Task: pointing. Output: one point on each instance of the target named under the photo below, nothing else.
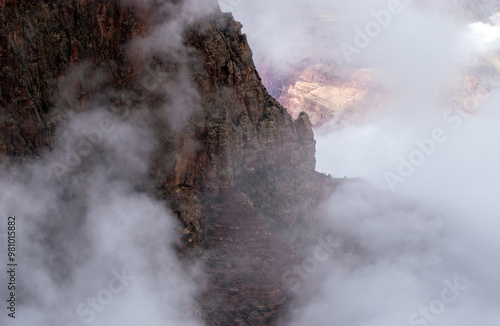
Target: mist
(93, 245)
(417, 238)
(414, 239)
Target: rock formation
(324, 93)
(239, 172)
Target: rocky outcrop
(239, 173)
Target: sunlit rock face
(326, 94)
(328, 98)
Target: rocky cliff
(237, 170)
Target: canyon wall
(236, 169)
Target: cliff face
(238, 170)
(39, 43)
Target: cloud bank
(417, 243)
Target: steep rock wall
(239, 173)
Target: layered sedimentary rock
(238, 171)
(328, 96)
